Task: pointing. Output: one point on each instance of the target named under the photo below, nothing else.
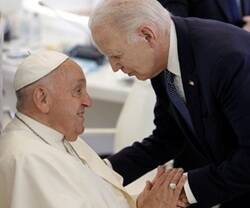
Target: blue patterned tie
(177, 100)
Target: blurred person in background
(236, 12)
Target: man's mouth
(81, 114)
(124, 71)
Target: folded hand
(158, 193)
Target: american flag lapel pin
(191, 82)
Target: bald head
(128, 15)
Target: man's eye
(115, 57)
(77, 92)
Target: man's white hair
(128, 15)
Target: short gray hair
(128, 15)
(21, 95)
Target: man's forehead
(69, 69)
(109, 49)
(70, 65)
(105, 31)
(108, 40)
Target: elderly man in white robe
(44, 164)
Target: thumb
(148, 186)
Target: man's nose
(87, 101)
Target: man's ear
(41, 99)
(149, 33)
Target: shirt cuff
(190, 197)
(108, 163)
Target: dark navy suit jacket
(208, 9)
(215, 68)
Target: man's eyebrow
(79, 82)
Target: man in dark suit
(236, 12)
(200, 71)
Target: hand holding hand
(158, 193)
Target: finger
(164, 185)
(179, 193)
(161, 179)
(169, 176)
(160, 171)
(168, 194)
(182, 204)
(147, 187)
(176, 178)
(180, 185)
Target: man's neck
(164, 51)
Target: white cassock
(36, 174)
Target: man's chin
(74, 136)
(71, 138)
(142, 78)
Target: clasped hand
(165, 191)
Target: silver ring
(172, 186)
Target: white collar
(173, 58)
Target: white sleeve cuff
(189, 193)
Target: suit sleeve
(221, 182)
(164, 143)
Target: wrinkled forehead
(103, 32)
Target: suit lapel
(190, 82)
(100, 168)
(223, 5)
